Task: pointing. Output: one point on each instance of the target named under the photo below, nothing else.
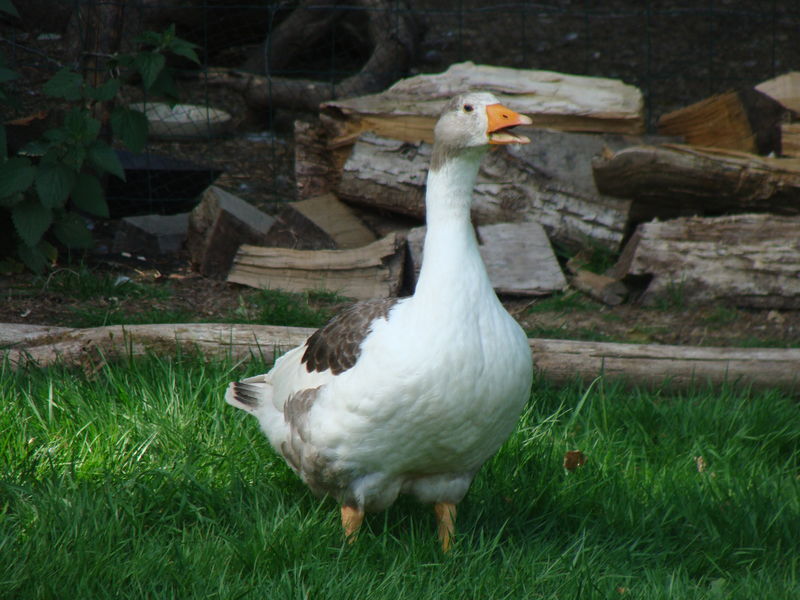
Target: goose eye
(468, 108)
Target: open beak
(501, 119)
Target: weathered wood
(600, 287)
(562, 361)
(790, 140)
(743, 260)
(513, 185)
(784, 89)
(408, 110)
(47, 345)
(703, 180)
(218, 225)
(373, 271)
(668, 367)
(518, 258)
(320, 223)
(316, 167)
(747, 120)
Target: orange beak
(501, 119)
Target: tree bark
(703, 181)
(561, 361)
(393, 35)
(513, 185)
(743, 260)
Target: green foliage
(54, 178)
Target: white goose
(408, 395)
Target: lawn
(138, 481)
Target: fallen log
(743, 260)
(702, 181)
(408, 110)
(391, 32)
(372, 271)
(519, 185)
(673, 367)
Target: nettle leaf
(53, 183)
(87, 194)
(130, 126)
(164, 85)
(7, 75)
(13, 199)
(71, 231)
(65, 84)
(7, 7)
(149, 65)
(103, 158)
(74, 156)
(3, 143)
(104, 92)
(184, 48)
(81, 126)
(37, 257)
(16, 175)
(31, 220)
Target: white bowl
(183, 121)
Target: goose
(408, 395)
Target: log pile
(708, 205)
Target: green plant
(276, 307)
(51, 180)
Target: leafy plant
(46, 186)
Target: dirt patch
(173, 293)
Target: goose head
(474, 121)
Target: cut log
(747, 120)
(790, 140)
(316, 167)
(513, 185)
(518, 258)
(218, 225)
(742, 260)
(784, 89)
(373, 271)
(408, 110)
(151, 234)
(600, 287)
(561, 361)
(703, 181)
(321, 223)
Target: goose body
(408, 395)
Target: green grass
(564, 302)
(140, 482)
(83, 283)
(276, 307)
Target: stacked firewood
(711, 204)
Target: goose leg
(446, 521)
(351, 522)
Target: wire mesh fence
(676, 52)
